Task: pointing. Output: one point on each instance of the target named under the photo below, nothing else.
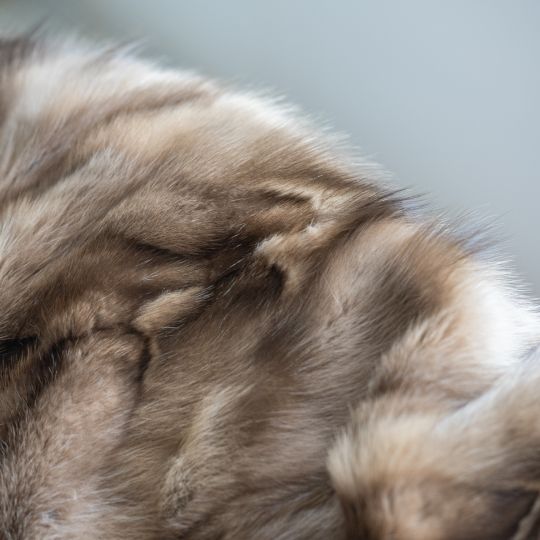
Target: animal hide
(216, 324)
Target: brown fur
(215, 325)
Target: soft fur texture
(215, 325)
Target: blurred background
(446, 95)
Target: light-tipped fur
(214, 324)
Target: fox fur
(216, 324)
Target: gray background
(445, 94)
